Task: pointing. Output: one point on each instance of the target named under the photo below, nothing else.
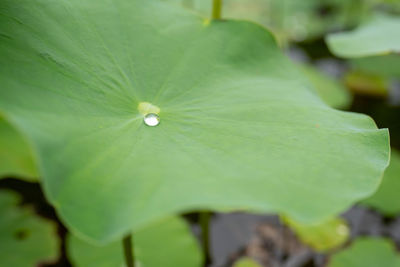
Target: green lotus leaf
(330, 90)
(386, 66)
(367, 252)
(387, 199)
(26, 240)
(362, 83)
(379, 36)
(168, 243)
(16, 157)
(373, 76)
(239, 127)
(324, 236)
(246, 262)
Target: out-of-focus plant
(379, 36)
(367, 252)
(323, 237)
(246, 262)
(26, 240)
(387, 199)
(167, 243)
(293, 20)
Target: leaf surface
(240, 127)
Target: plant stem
(217, 8)
(128, 251)
(205, 235)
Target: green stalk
(205, 234)
(128, 251)
(217, 9)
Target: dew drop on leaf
(151, 119)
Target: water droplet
(151, 119)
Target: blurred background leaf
(377, 76)
(387, 66)
(26, 240)
(168, 243)
(367, 252)
(246, 262)
(367, 84)
(380, 35)
(322, 237)
(294, 20)
(386, 199)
